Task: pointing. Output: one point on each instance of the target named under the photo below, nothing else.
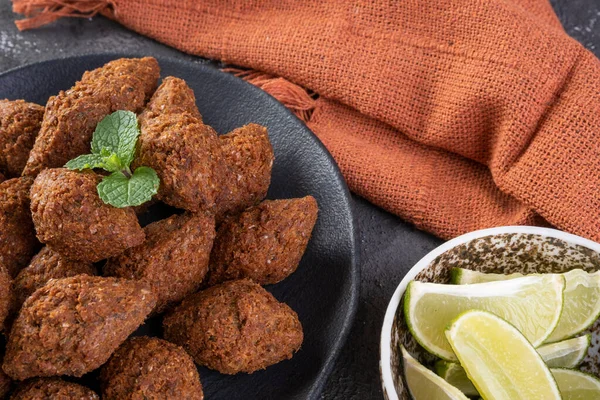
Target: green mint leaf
(117, 134)
(86, 161)
(113, 149)
(112, 163)
(120, 191)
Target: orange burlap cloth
(453, 114)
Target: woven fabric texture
(454, 114)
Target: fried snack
(183, 151)
(173, 97)
(249, 157)
(5, 383)
(264, 243)
(234, 327)
(71, 326)
(52, 388)
(71, 117)
(173, 260)
(17, 235)
(71, 219)
(19, 125)
(150, 368)
(46, 265)
(6, 298)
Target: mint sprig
(113, 150)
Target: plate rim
(212, 67)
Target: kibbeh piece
(264, 243)
(20, 123)
(173, 260)
(249, 157)
(173, 97)
(234, 327)
(71, 116)
(17, 234)
(71, 326)
(71, 219)
(5, 384)
(46, 265)
(183, 151)
(52, 388)
(6, 298)
(150, 368)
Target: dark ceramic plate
(324, 289)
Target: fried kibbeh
(5, 384)
(173, 97)
(7, 297)
(71, 326)
(173, 260)
(234, 327)
(17, 234)
(264, 243)
(46, 265)
(20, 123)
(150, 368)
(184, 152)
(71, 117)
(206, 248)
(248, 155)
(71, 219)
(52, 388)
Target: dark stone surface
(389, 246)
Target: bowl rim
(386, 331)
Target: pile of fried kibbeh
(78, 276)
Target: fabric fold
(412, 180)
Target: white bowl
(505, 249)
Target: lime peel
(581, 299)
(455, 375)
(566, 354)
(429, 308)
(423, 384)
(499, 360)
(576, 385)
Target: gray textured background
(389, 246)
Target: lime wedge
(463, 276)
(423, 384)
(581, 298)
(533, 304)
(581, 304)
(455, 375)
(575, 385)
(499, 360)
(566, 354)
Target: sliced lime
(423, 384)
(455, 375)
(499, 360)
(566, 354)
(429, 307)
(581, 304)
(463, 276)
(575, 385)
(581, 299)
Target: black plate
(324, 289)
